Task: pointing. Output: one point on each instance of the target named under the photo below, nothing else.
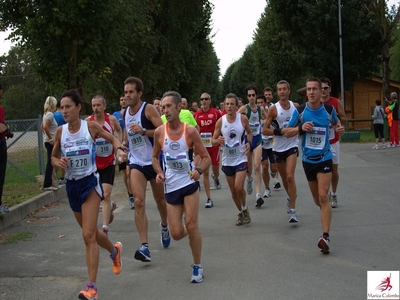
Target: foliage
(95, 45)
(9, 238)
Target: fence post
(40, 145)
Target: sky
(233, 25)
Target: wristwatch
(199, 171)
(144, 131)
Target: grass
(17, 187)
(9, 238)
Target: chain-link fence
(26, 155)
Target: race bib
(267, 141)
(231, 151)
(316, 138)
(178, 163)
(206, 139)
(255, 128)
(103, 148)
(136, 140)
(78, 158)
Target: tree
(387, 22)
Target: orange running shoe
(117, 261)
(90, 293)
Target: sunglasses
(201, 99)
(251, 95)
(325, 87)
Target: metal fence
(26, 153)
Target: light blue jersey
(315, 144)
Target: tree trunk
(386, 68)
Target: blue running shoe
(131, 202)
(143, 254)
(165, 236)
(197, 274)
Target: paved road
(268, 259)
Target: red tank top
(104, 150)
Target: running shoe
(249, 185)
(288, 205)
(90, 293)
(334, 201)
(217, 184)
(50, 188)
(240, 219)
(117, 260)
(165, 236)
(62, 181)
(376, 147)
(277, 185)
(4, 209)
(267, 193)
(143, 254)
(246, 216)
(209, 203)
(197, 274)
(323, 244)
(259, 201)
(113, 207)
(272, 174)
(293, 216)
(131, 202)
(383, 146)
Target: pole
(341, 56)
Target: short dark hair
(268, 89)
(378, 102)
(251, 87)
(314, 79)
(136, 81)
(232, 95)
(261, 97)
(74, 95)
(326, 79)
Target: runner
(230, 131)
(141, 120)
(285, 149)
(313, 120)
(74, 151)
(206, 118)
(180, 176)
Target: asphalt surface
(268, 259)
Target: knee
(177, 233)
(139, 203)
(191, 227)
(290, 179)
(89, 237)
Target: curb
(19, 212)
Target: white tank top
(233, 153)
(140, 147)
(282, 143)
(267, 140)
(80, 148)
(178, 160)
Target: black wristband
(301, 131)
(120, 147)
(199, 171)
(277, 131)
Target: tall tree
(388, 21)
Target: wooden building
(359, 102)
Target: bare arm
(243, 110)
(272, 113)
(117, 127)
(217, 138)
(201, 151)
(156, 155)
(246, 125)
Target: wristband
(199, 171)
(277, 131)
(301, 131)
(120, 147)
